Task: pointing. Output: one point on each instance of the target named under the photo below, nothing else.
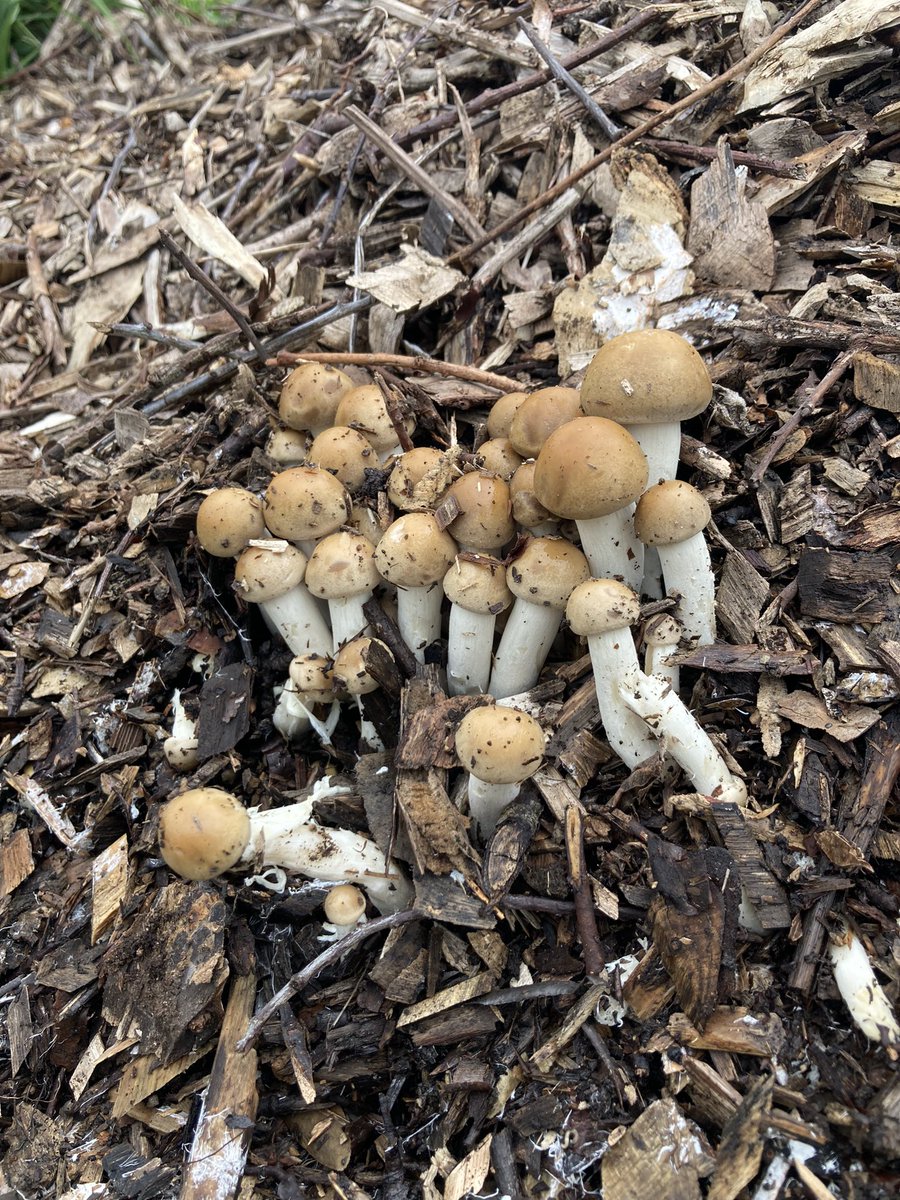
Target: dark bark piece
(425, 740)
(505, 854)
(764, 891)
(224, 709)
(438, 897)
(400, 969)
(875, 528)
(135, 1177)
(813, 793)
(883, 1134)
(465, 1022)
(741, 1146)
(753, 660)
(841, 586)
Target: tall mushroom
(272, 577)
(500, 748)
(477, 590)
(342, 571)
(414, 553)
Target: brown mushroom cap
(351, 673)
(262, 574)
(499, 745)
(543, 411)
(287, 447)
(670, 512)
(478, 585)
(546, 572)
(203, 832)
(485, 517)
(425, 466)
(414, 551)
(310, 395)
(527, 510)
(648, 377)
(345, 452)
(344, 905)
(312, 678)
(364, 409)
(227, 520)
(342, 565)
(498, 456)
(304, 503)
(601, 605)
(589, 467)
(501, 414)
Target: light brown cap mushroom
(419, 479)
(262, 574)
(414, 551)
(546, 572)
(310, 395)
(478, 585)
(351, 672)
(527, 510)
(344, 905)
(499, 745)
(601, 605)
(502, 412)
(287, 447)
(365, 521)
(312, 678)
(498, 456)
(228, 519)
(588, 468)
(304, 503)
(485, 517)
(342, 565)
(203, 832)
(670, 512)
(364, 409)
(647, 377)
(345, 452)
(543, 411)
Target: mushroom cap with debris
(499, 745)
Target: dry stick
(640, 131)
(53, 337)
(838, 367)
(403, 362)
(325, 959)
(581, 889)
(669, 148)
(214, 290)
(558, 71)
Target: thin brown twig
(585, 919)
(669, 148)
(55, 344)
(640, 131)
(403, 362)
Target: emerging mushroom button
(203, 832)
(500, 748)
(310, 396)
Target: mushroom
(502, 412)
(662, 636)
(180, 747)
(671, 517)
(206, 831)
(419, 479)
(498, 457)
(345, 910)
(305, 503)
(539, 415)
(484, 523)
(345, 452)
(859, 987)
(649, 381)
(351, 675)
(287, 447)
(603, 611)
(541, 579)
(229, 519)
(364, 409)
(272, 577)
(414, 553)
(342, 571)
(310, 682)
(591, 470)
(527, 510)
(477, 590)
(310, 396)
(500, 748)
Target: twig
(147, 333)
(110, 182)
(53, 337)
(669, 148)
(533, 233)
(403, 362)
(214, 290)
(581, 890)
(635, 135)
(558, 71)
(809, 401)
(333, 954)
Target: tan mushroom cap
(304, 503)
(498, 456)
(203, 832)
(365, 521)
(345, 452)
(310, 395)
(588, 468)
(351, 673)
(485, 518)
(342, 565)
(527, 510)
(364, 409)
(414, 551)
(543, 411)
(670, 512)
(502, 412)
(546, 572)
(344, 905)
(262, 574)
(478, 585)
(287, 447)
(499, 745)
(312, 678)
(601, 605)
(228, 519)
(651, 376)
(418, 480)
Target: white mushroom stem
(293, 718)
(687, 570)
(282, 837)
(180, 748)
(860, 990)
(469, 647)
(419, 616)
(296, 618)
(367, 731)
(523, 649)
(348, 620)
(487, 802)
(660, 647)
(613, 548)
(613, 657)
(683, 738)
(661, 444)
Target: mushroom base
(613, 657)
(487, 802)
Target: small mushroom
(414, 553)
(345, 910)
(310, 682)
(364, 409)
(498, 457)
(310, 396)
(180, 747)
(485, 519)
(342, 571)
(272, 577)
(305, 503)
(539, 415)
(527, 510)
(287, 447)
(662, 636)
(419, 479)
(502, 412)
(228, 520)
(477, 591)
(345, 452)
(351, 675)
(500, 748)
